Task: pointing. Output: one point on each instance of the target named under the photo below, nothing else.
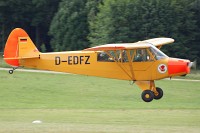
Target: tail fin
(19, 46)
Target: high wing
(158, 42)
(119, 46)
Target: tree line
(62, 25)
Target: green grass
(76, 104)
(194, 74)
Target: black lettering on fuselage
(87, 60)
(81, 59)
(73, 60)
(57, 60)
(69, 60)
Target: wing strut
(119, 63)
(130, 64)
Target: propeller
(193, 64)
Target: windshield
(157, 53)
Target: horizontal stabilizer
(20, 58)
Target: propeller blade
(193, 64)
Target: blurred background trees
(32, 15)
(62, 25)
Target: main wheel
(147, 95)
(160, 93)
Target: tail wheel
(10, 71)
(160, 93)
(147, 95)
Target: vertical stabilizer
(19, 46)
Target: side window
(136, 55)
(141, 55)
(102, 56)
(112, 56)
(106, 56)
(123, 56)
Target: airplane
(141, 62)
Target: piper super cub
(141, 62)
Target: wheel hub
(147, 96)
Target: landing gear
(11, 71)
(160, 93)
(150, 91)
(147, 95)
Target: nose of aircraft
(178, 67)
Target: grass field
(68, 103)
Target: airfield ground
(68, 103)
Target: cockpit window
(141, 55)
(133, 55)
(102, 56)
(157, 53)
(112, 56)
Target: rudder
(19, 46)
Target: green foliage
(195, 46)
(75, 24)
(12, 16)
(43, 48)
(69, 27)
(130, 21)
(32, 15)
(111, 23)
(42, 15)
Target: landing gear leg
(150, 92)
(11, 71)
(160, 93)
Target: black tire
(147, 95)
(160, 93)
(10, 71)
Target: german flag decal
(23, 40)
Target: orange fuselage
(85, 62)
